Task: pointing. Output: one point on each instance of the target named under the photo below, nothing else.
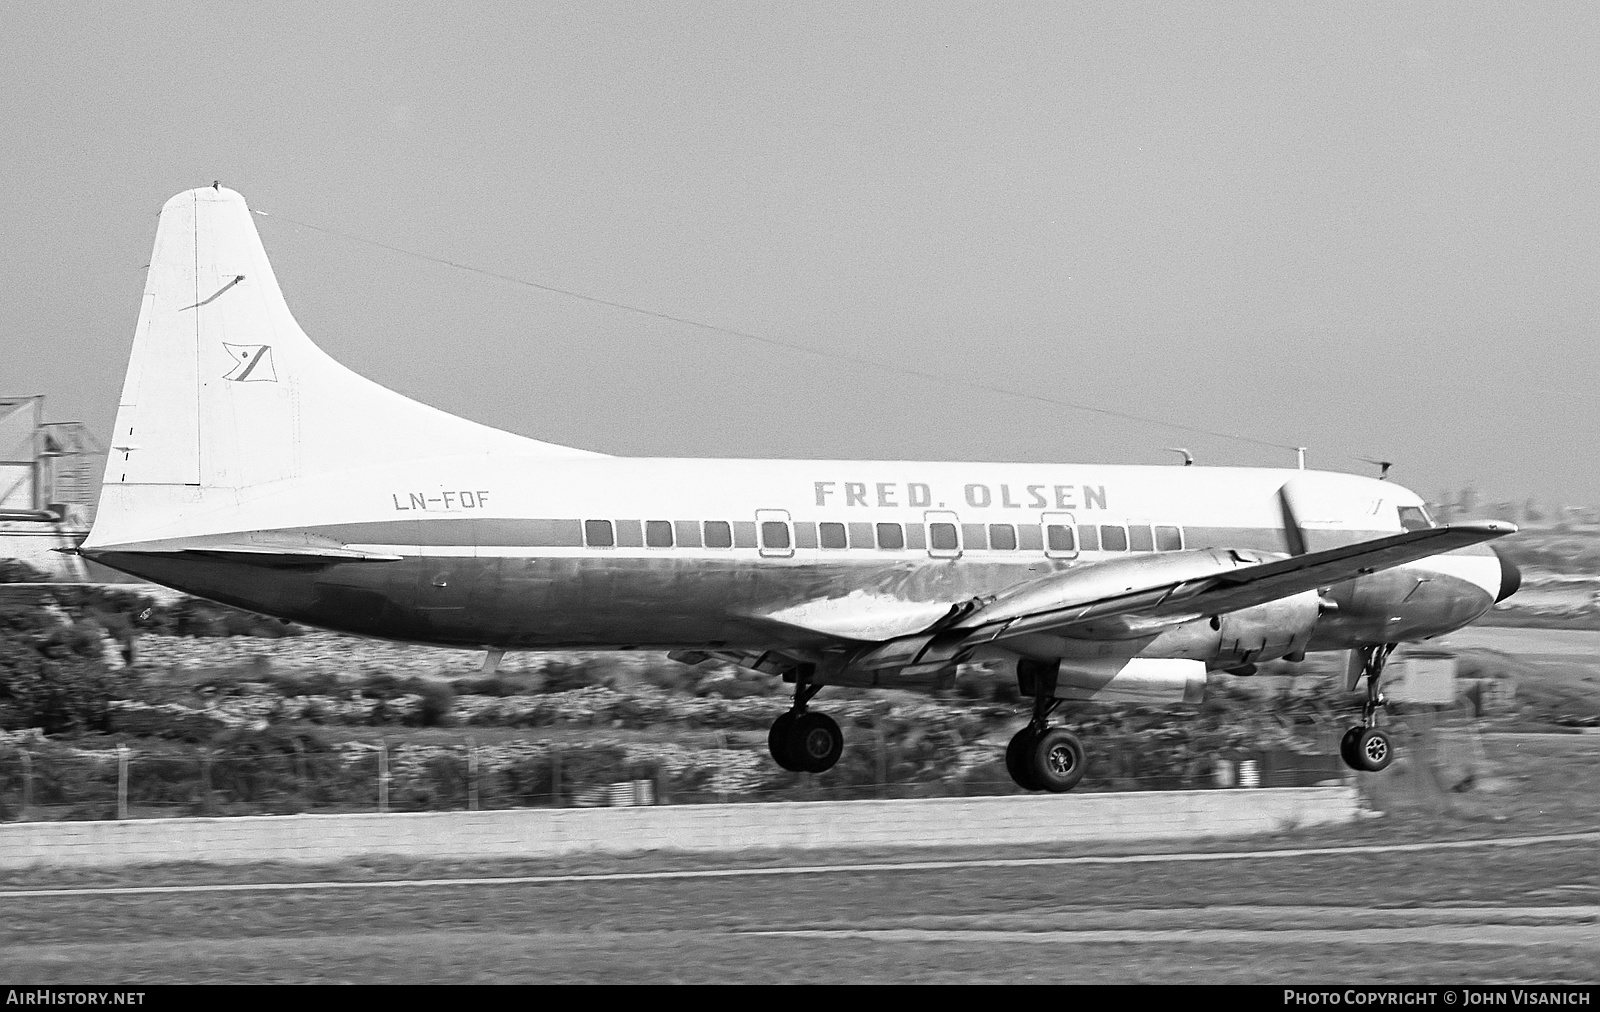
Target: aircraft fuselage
(610, 553)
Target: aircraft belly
(690, 602)
(565, 601)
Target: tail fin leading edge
(224, 391)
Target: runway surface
(1526, 642)
(1514, 909)
(820, 869)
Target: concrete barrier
(546, 832)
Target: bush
(51, 674)
(275, 766)
(563, 675)
(17, 571)
(734, 683)
(318, 683)
(438, 700)
(381, 685)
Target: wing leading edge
(1208, 582)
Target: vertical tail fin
(224, 391)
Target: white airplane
(250, 468)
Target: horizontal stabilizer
(306, 554)
(266, 548)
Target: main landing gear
(805, 742)
(1041, 757)
(1365, 747)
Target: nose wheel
(1366, 747)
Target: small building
(1428, 675)
(49, 484)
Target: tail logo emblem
(252, 363)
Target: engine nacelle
(1248, 636)
(1153, 680)
(1268, 631)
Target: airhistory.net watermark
(46, 996)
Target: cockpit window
(1414, 518)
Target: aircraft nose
(1510, 576)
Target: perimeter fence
(46, 783)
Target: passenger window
(1058, 538)
(1139, 538)
(1089, 537)
(1169, 539)
(1113, 538)
(1002, 537)
(832, 535)
(942, 537)
(775, 534)
(891, 536)
(718, 534)
(658, 533)
(597, 534)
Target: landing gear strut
(801, 741)
(1041, 757)
(1365, 747)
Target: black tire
(1347, 748)
(1017, 758)
(778, 741)
(814, 743)
(1056, 761)
(1373, 750)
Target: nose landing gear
(805, 742)
(1365, 747)
(1041, 757)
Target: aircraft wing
(1194, 584)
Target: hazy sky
(1370, 229)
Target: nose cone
(1510, 577)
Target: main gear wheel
(814, 742)
(1045, 759)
